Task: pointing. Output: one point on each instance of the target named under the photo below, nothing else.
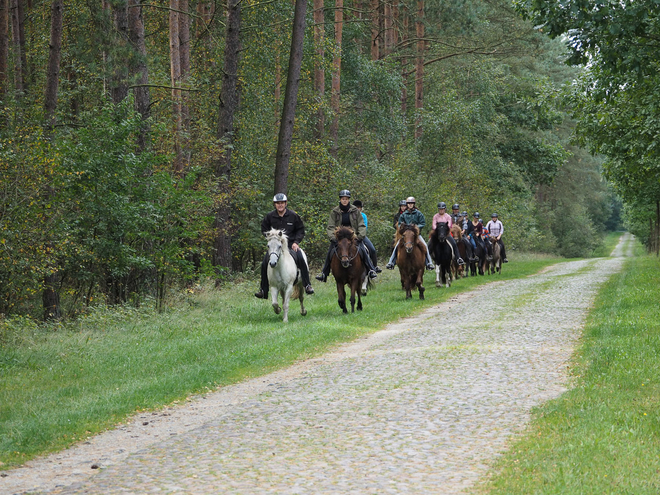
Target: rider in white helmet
(281, 218)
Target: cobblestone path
(421, 407)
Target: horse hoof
(304, 312)
(277, 309)
(438, 284)
(364, 292)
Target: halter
(347, 262)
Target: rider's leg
(263, 286)
(454, 247)
(364, 254)
(429, 262)
(323, 276)
(503, 252)
(304, 270)
(392, 261)
(372, 253)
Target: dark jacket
(415, 217)
(357, 222)
(290, 223)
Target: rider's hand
(294, 246)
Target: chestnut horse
(459, 271)
(442, 255)
(411, 259)
(347, 268)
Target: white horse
(283, 274)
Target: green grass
(61, 384)
(602, 436)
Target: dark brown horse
(411, 260)
(347, 268)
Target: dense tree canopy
(123, 188)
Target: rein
(357, 252)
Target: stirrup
(261, 294)
(372, 274)
(309, 289)
(377, 269)
(322, 277)
(460, 261)
(430, 266)
(390, 266)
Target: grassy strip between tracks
(61, 384)
(603, 436)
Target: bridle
(346, 260)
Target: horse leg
(365, 285)
(273, 297)
(301, 296)
(341, 292)
(438, 269)
(353, 298)
(420, 282)
(286, 298)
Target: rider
(368, 244)
(496, 229)
(411, 216)
(281, 218)
(455, 214)
(346, 215)
(402, 208)
(442, 216)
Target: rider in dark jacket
(281, 218)
(346, 215)
(411, 216)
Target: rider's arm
(265, 225)
(330, 230)
(298, 230)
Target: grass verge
(61, 384)
(603, 436)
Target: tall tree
(184, 52)
(4, 48)
(228, 108)
(290, 98)
(50, 296)
(375, 29)
(119, 89)
(139, 70)
(175, 77)
(18, 38)
(419, 67)
(319, 72)
(335, 95)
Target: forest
(141, 144)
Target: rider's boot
(309, 289)
(261, 294)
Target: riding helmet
(476, 214)
(279, 197)
(455, 206)
(402, 202)
(344, 193)
(494, 215)
(442, 204)
(410, 199)
(464, 213)
(357, 203)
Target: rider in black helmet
(346, 215)
(289, 221)
(367, 243)
(402, 208)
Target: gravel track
(423, 406)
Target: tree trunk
(50, 295)
(18, 40)
(184, 49)
(4, 49)
(290, 99)
(319, 72)
(141, 91)
(419, 68)
(175, 76)
(119, 90)
(53, 69)
(375, 29)
(404, 64)
(388, 28)
(228, 107)
(335, 95)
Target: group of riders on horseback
(474, 235)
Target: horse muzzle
(273, 260)
(345, 263)
(409, 248)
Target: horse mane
(457, 230)
(278, 234)
(405, 227)
(342, 232)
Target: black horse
(442, 255)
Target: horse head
(456, 232)
(409, 235)
(345, 241)
(278, 243)
(442, 231)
